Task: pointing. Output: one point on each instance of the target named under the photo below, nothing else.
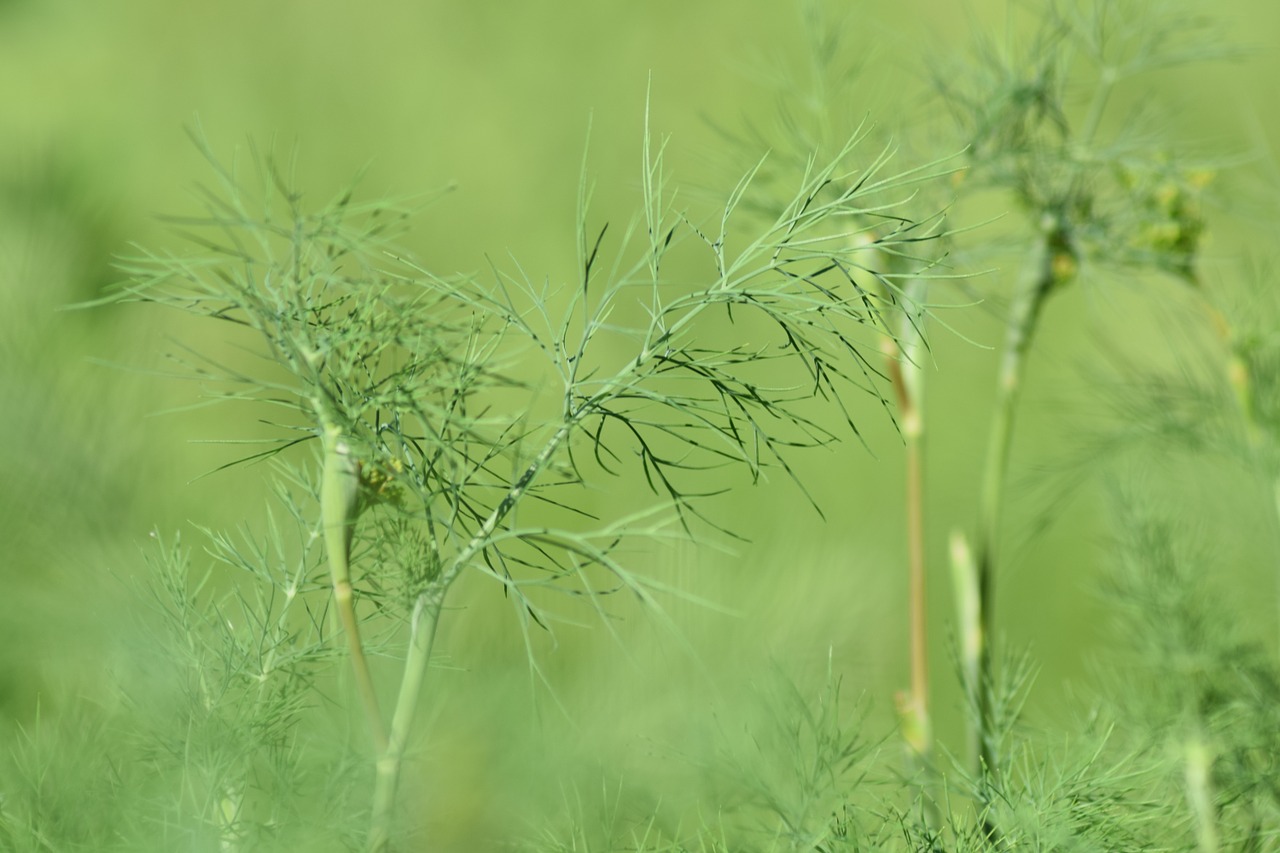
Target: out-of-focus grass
(494, 98)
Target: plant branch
(339, 507)
(423, 625)
(1042, 273)
(903, 355)
(422, 628)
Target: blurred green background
(98, 447)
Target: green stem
(915, 714)
(903, 358)
(339, 508)
(913, 431)
(425, 620)
(964, 579)
(1199, 763)
(1031, 291)
(910, 377)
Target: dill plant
(1045, 119)
(1097, 193)
(437, 457)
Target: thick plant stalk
(1199, 762)
(339, 507)
(1050, 262)
(914, 708)
(906, 373)
(964, 580)
(904, 352)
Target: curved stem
(339, 507)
